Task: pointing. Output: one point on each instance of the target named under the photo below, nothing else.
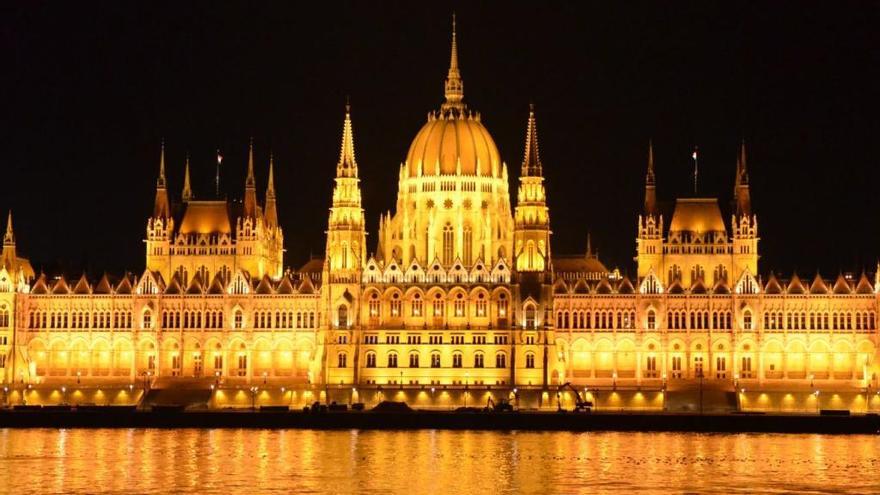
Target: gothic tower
(649, 244)
(346, 237)
(532, 218)
(161, 224)
(744, 223)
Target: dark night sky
(89, 90)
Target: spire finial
(187, 189)
(589, 245)
(532, 158)
(454, 85)
(270, 188)
(9, 237)
(347, 166)
(650, 183)
(160, 182)
(743, 172)
(250, 181)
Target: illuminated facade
(463, 291)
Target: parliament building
(464, 294)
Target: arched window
(530, 360)
(414, 360)
(341, 360)
(530, 317)
(500, 360)
(238, 319)
(342, 316)
(456, 360)
(435, 359)
(448, 244)
(468, 239)
(392, 360)
(652, 319)
(747, 319)
(479, 360)
(371, 360)
(148, 319)
(4, 317)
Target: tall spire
(741, 186)
(532, 158)
(161, 208)
(187, 194)
(589, 245)
(250, 181)
(270, 188)
(160, 182)
(650, 183)
(9, 237)
(271, 213)
(347, 166)
(250, 185)
(454, 86)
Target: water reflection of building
(463, 290)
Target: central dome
(453, 143)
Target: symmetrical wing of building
(463, 290)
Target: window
(435, 360)
(502, 306)
(456, 360)
(479, 339)
(148, 323)
(500, 360)
(371, 339)
(438, 307)
(371, 360)
(457, 339)
(530, 360)
(414, 339)
(417, 305)
(392, 339)
(448, 244)
(481, 306)
(197, 364)
(652, 319)
(478, 360)
(530, 317)
(501, 339)
(651, 367)
(341, 360)
(720, 367)
(375, 307)
(460, 306)
(242, 364)
(4, 317)
(676, 367)
(746, 369)
(395, 306)
(413, 360)
(238, 319)
(342, 316)
(747, 320)
(392, 360)
(435, 339)
(468, 238)
(218, 361)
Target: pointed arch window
(448, 244)
(468, 239)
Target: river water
(437, 462)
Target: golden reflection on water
(228, 461)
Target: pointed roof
(864, 285)
(741, 186)
(103, 286)
(841, 286)
(60, 286)
(41, 286)
(795, 286)
(532, 158)
(626, 286)
(82, 286)
(773, 286)
(124, 286)
(187, 193)
(454, 87)
(195, 284)
(306, 286)
(285, 287)
(698, 287)
(250, 181)
(217, 284)
(250, 186)
(9, 236)
(347, 165)
(818, 286)
(265, 286)
(174, 286)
